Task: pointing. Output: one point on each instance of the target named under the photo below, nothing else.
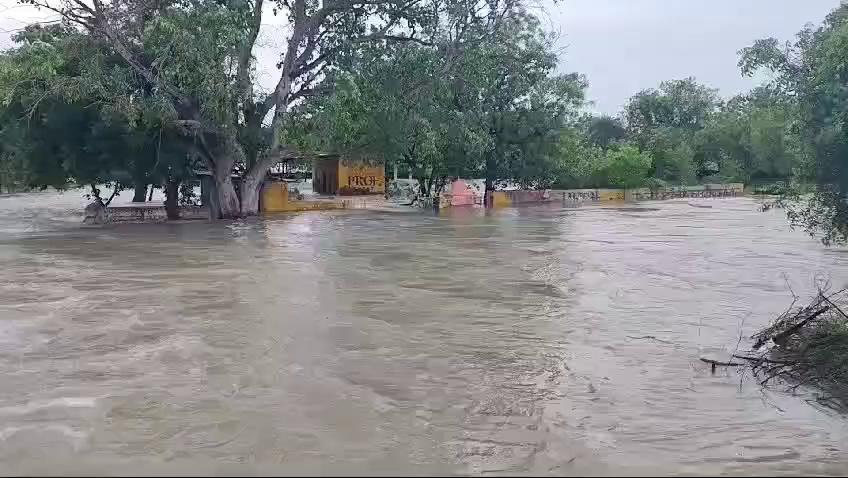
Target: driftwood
(648, 337)
(791, 322)
(806, 347)
(762, 359)
(781, 338)
(717, 363)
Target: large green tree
(677, 104)
(494, 111)
(511, 95)
(749, 139)
(194, 63)
(812, 73)
(664, 122)
(71, 138)
(605, 131)
(394, 106)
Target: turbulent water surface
(533, 340)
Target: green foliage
(577, 162)
(751, 135)
(665, 123)
(812, 74)
(495, 111)
(62, 123)
(605, 131)
(510, 94)
(677, 104)
(627, 167)
(673, 153)
(194, 50)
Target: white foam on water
(67, 402)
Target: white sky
(622, 46)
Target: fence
(498, 199)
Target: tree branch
(293, 65)
(401, 38)
(245, 54)
(66, 13)
(114, 193)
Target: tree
(627, 167)
(64, 139)
(391, 106)
(665, 121)
(672, 152)
(194, 61)
(682, 104)
(509, 93)
(812, 74)
(750, 136)
(578, 162)
(604, 131)
(436, 115)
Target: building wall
(510, 198)
(703, 191)
(275, 197)
(150, 213)
(325, 176)
(358, 177)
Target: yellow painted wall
(508, 198)
(611, 194)
(298, 206)
(501, 199)
(275, 197)
(358, 175)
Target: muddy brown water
(533, 340)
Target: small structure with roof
(346, 176)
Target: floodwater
(533, 340)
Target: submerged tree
(749, 139)
(59, 132)
(193, 61)
(496, 110)
(511, 96)
(812, 73)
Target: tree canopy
(130, 93)
(811, 75)
(189, 65)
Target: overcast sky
(622, 46)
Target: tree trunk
(140, 193)
(228, 206)
(490, 174)
(250, 196)
(441, 182)
(150, 196)
(223, 198)
(172, 188)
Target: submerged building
(344, 176)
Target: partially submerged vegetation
(806, 346)
(135, 94)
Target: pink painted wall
(459, 193)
